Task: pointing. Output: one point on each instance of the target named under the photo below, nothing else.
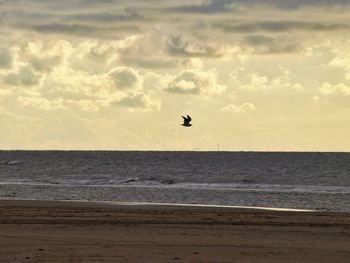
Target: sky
(254, 75)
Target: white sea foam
(217, 206)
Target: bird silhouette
(187, 121)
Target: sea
(293, 180)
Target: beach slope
(61, 231)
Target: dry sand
(43, 231)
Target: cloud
(278, 26)
(155, 82)
(253, 82)
(49, 77)
(176, 46)
(196, 82)
(139, 100)
(342, 58)
(33, 59)
(338, 89)
(243, 108)
(44, 56)
(96, 56)
(5, 92)
(41, 103)
(125, 78)
(17, 16)
(262, 44)
(129, 15)
(81, 91)
(5, 58)
(191, 6)
(151, 63)
(25, 76)
(293, 4)
(207, 7)
(257, 40)
(83, 30)
(62, 5)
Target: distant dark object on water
(130, 180)
(187, 121)
(247, 180)
(167, 182)
(11, 162)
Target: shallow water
(292, 180)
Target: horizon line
(160, 150)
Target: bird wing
(185, 120)
(189, 118)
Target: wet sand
(50, 231)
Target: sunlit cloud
(196, 82)
(338, 89)
(243, 108)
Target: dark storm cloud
(207, 7)
(17, 16)
(257, 40)
(61, 5)
(98, 19)
(293, 4)
(268, 45)
(107, 17)
(278, 26)
(204, 7)
(97, 1)
(220, 6)
(81, 30)
(98, 24)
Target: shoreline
(71, 231)
(38, 202)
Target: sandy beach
(62, 231)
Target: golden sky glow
(268, 75)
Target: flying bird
(187, 121)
